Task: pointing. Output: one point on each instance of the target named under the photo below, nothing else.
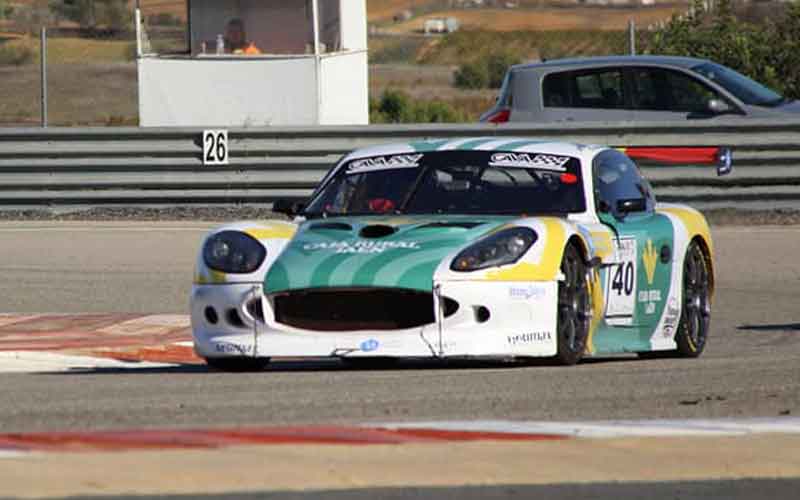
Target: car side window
(601, 89)
(659, 89)
(617, 177)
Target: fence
(125, 166)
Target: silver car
(622, 88)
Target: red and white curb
(62, 342)
(617, 428)
(13, 445)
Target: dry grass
(79, 94)
(77, 50)
(546, 18)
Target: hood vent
(442, 225)
(331, 226)
(377, 231)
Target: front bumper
(493, 319)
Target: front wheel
(696, 311)
(574, 308)
(238, 364)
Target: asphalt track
(751, 368)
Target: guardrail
(61, 167)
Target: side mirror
(724, 161)
(289, 208)
(631, 205)
(718, 107)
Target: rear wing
(721, 157)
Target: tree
(765, 52)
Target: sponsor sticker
(384, 163)
(231, 348)
(671, 318)
(369, 345)
(650, 259)
(527, 160)
(649, 299)
(529, 338)
(526, 292)
(360, 247)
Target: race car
(476, 247)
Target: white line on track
(617, 428)
(38, 361)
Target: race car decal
(272, 231)
(384, 163)
(526, 160)
(548, 266)
(621, 284)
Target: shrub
(397, 107)
(472, 75)
(17, 52)
(486, 72)
(768, 52)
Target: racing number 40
(622, 282)
(215, 147)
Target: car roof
(521, 144)
(589, 62)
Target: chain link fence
(91, 48)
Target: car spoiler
(721, 157)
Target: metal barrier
(42, 168)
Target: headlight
(499, 249)
(233, 252)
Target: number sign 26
(215, 147)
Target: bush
(17, 52)
(768, 52)
(486, 72)
(471, 76)
(397, 107)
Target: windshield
(453, 182)
(747, 90)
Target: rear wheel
(238, 364)
(574, 308)
(696, 311)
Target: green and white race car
(479, 247)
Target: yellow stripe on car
(272, 231)
(548, 267)
(695, 223)
(212, 278)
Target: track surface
(750, 368)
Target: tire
(695, 319)
(238, 364)
(574, 308)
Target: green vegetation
(473, 45)
(5, 9)
(397, 107)
(485, 55)
(768, 52)
(488, 71)
(113, 14)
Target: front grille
(343, 309)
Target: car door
(585, 95)
(637, 279)
(668, 94)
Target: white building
(303, 62)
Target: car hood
(399, 252)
